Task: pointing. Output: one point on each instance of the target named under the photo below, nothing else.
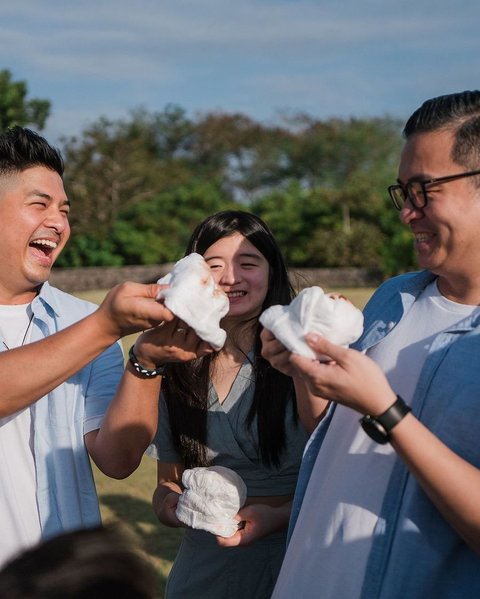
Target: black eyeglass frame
(407, 193)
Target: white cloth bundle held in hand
(313, 311)
(196, 299)
(212, 497)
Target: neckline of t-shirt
(433, 293)
(14, 309)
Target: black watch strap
(379, 427)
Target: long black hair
(186, 384)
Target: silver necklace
(25, 334)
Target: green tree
(115, 173)
(397, 254)
(245, 155)
(139, 186)
(15, 108)
(107, 170)
(157, 230)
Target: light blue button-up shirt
(66, 492)
(415, 552)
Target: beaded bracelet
(146, 372)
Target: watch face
(374, 429)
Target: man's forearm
(29, 372)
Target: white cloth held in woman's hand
(212, 497)
(196, 299)
(313, 311)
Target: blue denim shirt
(415, 552)
(66, 492)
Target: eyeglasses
(416, 191)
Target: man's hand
(131, 307)
(350, 377)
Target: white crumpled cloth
(313, 311)
(212, 497)
(196, 299)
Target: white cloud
(322, 56)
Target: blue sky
(261, 57)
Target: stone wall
(335, 277)
(104, 277)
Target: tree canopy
(15, 108)
(139, 185)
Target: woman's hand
(171, 341)
(276, 353)
(169, 507)
(257, 521)
(168, 490)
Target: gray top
(234, 445)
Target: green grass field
(128, 501)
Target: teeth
(419, 237)
(45, 242)
(235, 293)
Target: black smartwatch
(378, 427)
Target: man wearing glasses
(390, 507)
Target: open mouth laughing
(44, 247)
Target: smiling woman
(232, 409)
(127, 500)
(242, 272)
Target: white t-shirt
(19, 517)
(328, 552)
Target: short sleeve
(106, 372)
(162, 447)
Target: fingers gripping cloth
(196, 299)
(313, 311)
(211, 499)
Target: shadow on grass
(158, 541)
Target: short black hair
(458, 112)
(22, 148)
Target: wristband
(146, 372)
(378, 427)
